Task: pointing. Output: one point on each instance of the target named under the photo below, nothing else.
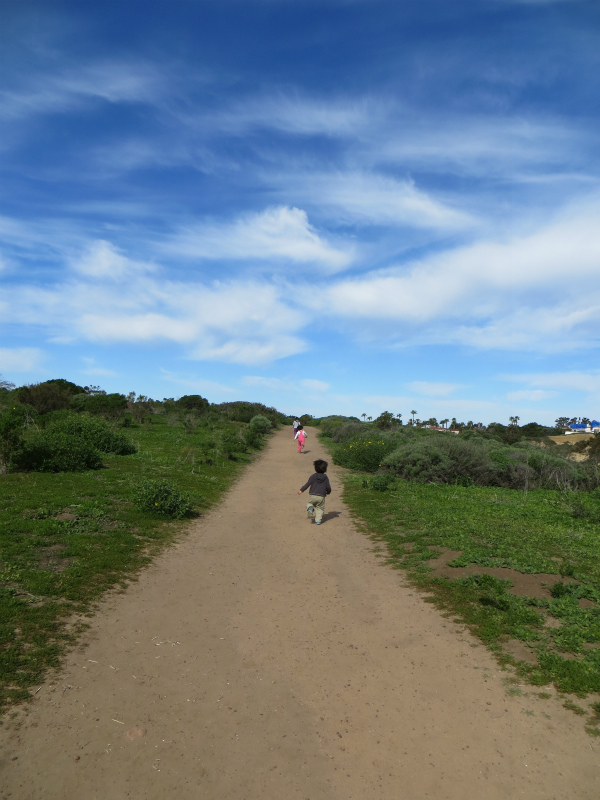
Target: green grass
(52, 570)
(536, 532)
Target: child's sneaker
(310, 510)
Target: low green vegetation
(473, 458)
(520, 566)
(91, 491)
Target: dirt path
(265, 657)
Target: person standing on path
(319, 488)
(296, 424)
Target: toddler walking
(301, 436)
(319, 487)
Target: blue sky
(343, 206)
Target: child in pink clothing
(301, 436)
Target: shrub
(163, 498)
(381, 483)
(260, 424)
(362, 454)
(12, 425)
(112, 406)
(56, 451)
(231, 442)
(193, 402)
(480, 461)
(385, 421)
(239, 411)
(50, 395)
(253, 440)
(93, 430)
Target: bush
(107, 405)
(49, 396)
(231, 442)
(163, 498)
(381, 483)
(239, 411)
(362, 454)
(253, 440)
(479, 461)
(56, 451)
(93, 430)
(12, 425)
(260, 424)
(332, 424)
(193, 402)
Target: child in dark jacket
(319, 487)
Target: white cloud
(535, 290)
(238, 322)
(269, 383)
(375, 199)
(287, 385)
(102, 259)
(506, 146)
(280, 233)
(20, 359)
(531, 396)
(314, 385)
(567, 380)
(248, 351)
(429, 389)
(301, 116)
(110, 81)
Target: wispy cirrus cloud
(287, 384)
(372, 199)
(562, 380)
(533, 396)
(279, 233)
(531, 290)
(54, 92)
(101, 259)
(302, 115)
(114, 300)
(21, 359)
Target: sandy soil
(266, 657)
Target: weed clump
(163, 498)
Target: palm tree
(369, 418)
(513, 420)
(364, 416)
(453, 423)
(444, 422)
(413, 416)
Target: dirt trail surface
(266, 657)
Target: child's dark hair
(320, 466)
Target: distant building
(584, 427)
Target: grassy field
(66, 538)
(550, 534)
